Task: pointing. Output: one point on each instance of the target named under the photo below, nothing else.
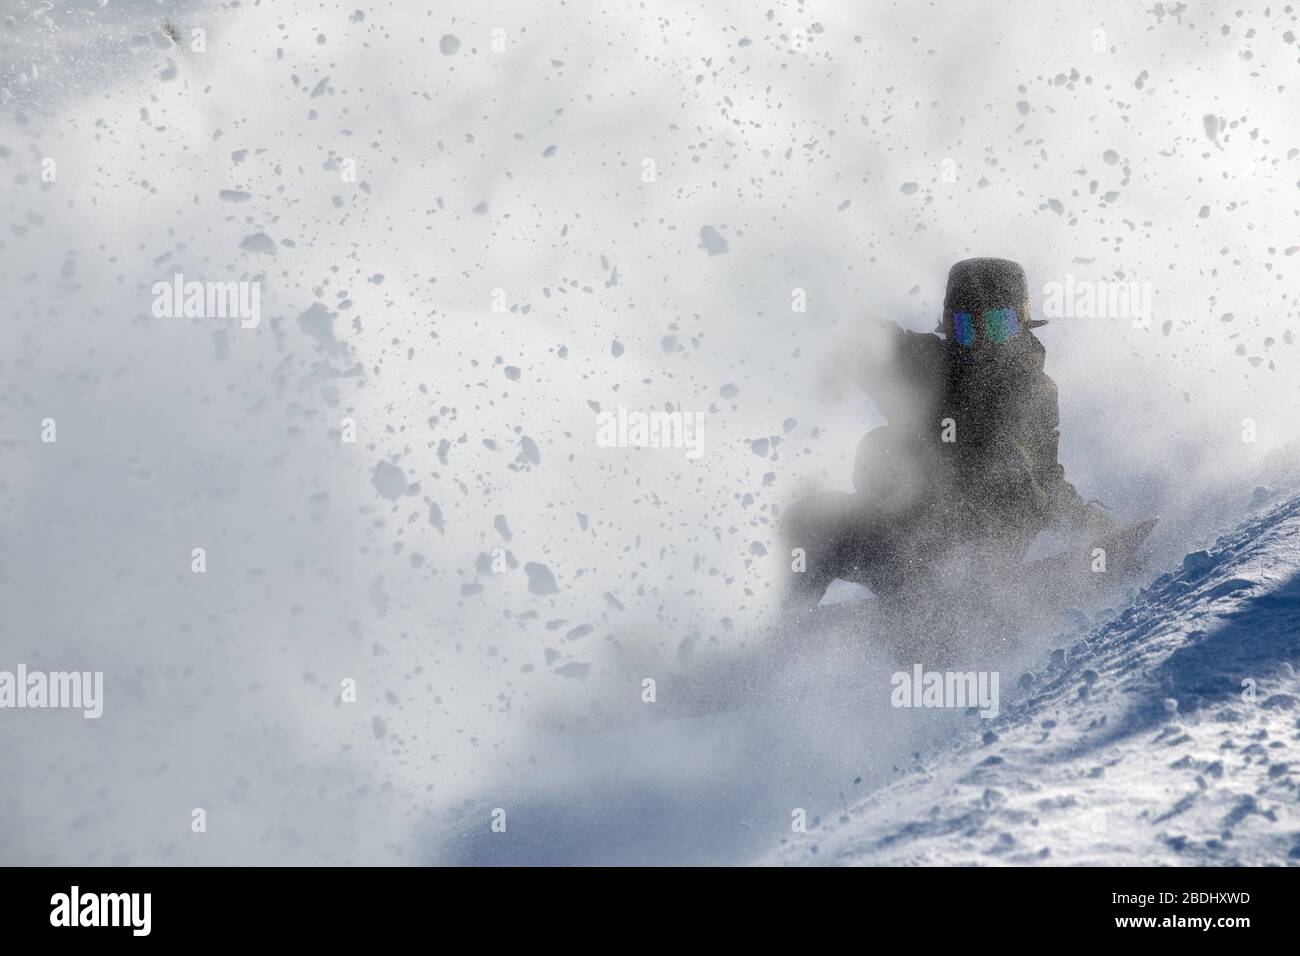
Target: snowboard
(934, 628)
(1047, 586)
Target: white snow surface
(1168, 736)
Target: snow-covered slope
(1170, 735)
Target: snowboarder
(965, 475)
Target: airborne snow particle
(616, 348)
(729, 391)
(574, 669)
(389, 481)
(378, 599)
(529, 452)
(235, 195)
(540, 579)
(713, 242)
(318, 322)
(435, 517)
(260, 243)
(448, 45)
(503, 527)
(908, 188)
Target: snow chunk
(540, 579)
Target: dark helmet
(987, 302)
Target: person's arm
(1042, 446)
(888, 362)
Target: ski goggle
(998, 326)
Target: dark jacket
(982, 424)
